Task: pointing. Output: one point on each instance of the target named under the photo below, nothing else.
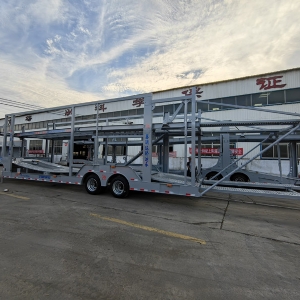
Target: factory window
(158, 109)
(292, 95)
(275, 98)
(140, 111)
(213, 107)
(203, 105)
(57, 147)
(189, 106)
(18, 127)
(124, 113)
(89, 117)
(169, 108)
(244, 100)
(229, 100)
(119, 150)
(273, 152)
(36, 145)
(260, 99)
(132, 112)
(107, 115)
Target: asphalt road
(58, 242)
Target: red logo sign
(101, 107)
(267, 83)
(215, 151)
(68, 112)
(189, 92)
(35, 151)
(138, 102)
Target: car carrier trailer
(185, 126)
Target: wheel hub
(118, 187)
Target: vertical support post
(193, 136)
(11, 141)
(46, 148)
(96, 142)
(52, 145)
(166, 153)
(4, 145)
(199, 146)
(147, 139)
(72, 141)
(94, 154)
(106, 147)
(126, 150)
(185, 141)
(105, 151)
(52, 150)
(114, 156)
(279, 162)
(52, 142)
(160, 157)
(22, 147)
(293, 159)
(24, 144)
(47, 145)
(225, 157)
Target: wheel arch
(110, 179)
(85, 177)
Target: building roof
(228, 80)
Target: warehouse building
(278, 91)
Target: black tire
(119, 187)
(212, 174)
(93, 184)
(239, 177)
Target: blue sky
(56, 52)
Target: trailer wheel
(239, 177)
(212, 174)
(93, 185)
(119, 187)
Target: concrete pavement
(58, 242)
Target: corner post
(147, 139)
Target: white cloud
(46, 11)
(245, 38)
(34, 87)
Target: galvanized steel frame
(192, 133)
